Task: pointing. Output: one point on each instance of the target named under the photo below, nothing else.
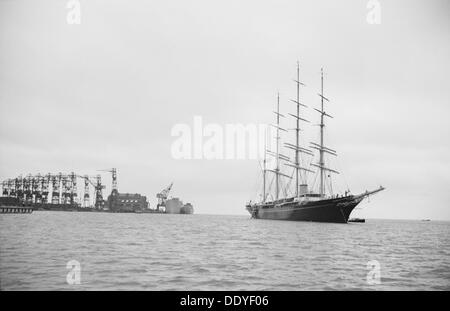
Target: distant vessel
(304, 205)
(176, 206)
(187, 209)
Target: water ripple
(201, 252)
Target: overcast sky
(107, 92)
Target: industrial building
(126, 203)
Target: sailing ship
(304, 205)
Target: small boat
(356, 220)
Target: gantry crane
(98, 187)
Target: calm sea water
(203, 252)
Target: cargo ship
(304, 204)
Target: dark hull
(356, 220)
(336, 210)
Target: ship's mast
(297, 132)
(277, 169)
(264, 166)
(321, 147)
(277, 154)
(321, 162)
(296, 147)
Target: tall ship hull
(336, 210)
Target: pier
(16, 209)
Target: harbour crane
(99, 202)
(113, 171)
(162, 196)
